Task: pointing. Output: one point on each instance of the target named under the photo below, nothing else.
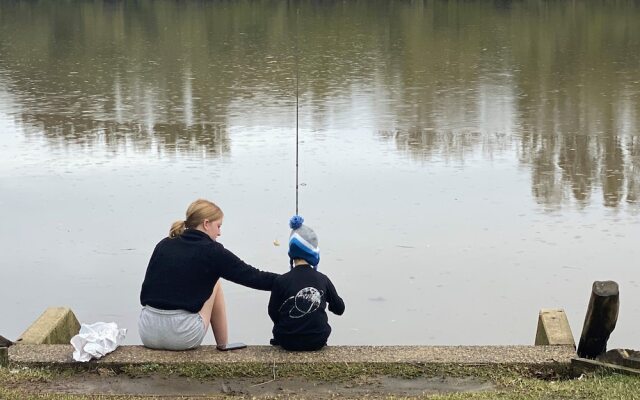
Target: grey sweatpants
(170, 329)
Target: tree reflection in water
(556, 84)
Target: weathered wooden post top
(601, 318)
(4, 351)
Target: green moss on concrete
(338, 372)
(346, 371)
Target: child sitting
(299, 297)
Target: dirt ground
(170, 386)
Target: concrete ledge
(56, 325)
(60, 355)
(553, 329)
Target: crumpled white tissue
(96, 340)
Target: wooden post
(4, 356)
(601, 318)
(4, 342)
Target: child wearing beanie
(299, 297)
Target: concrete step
(61, 355)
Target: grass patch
(601, 385)
(513, 383)
(11, 375)
(340, 372)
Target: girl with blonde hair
(181, 294)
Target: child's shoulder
(305, 270)
(321, 276)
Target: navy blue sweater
(297, 306)
(182, 272)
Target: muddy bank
(162, 386)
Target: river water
(464, 164)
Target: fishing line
(297, 135)
(297, 80)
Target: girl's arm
(232, 268)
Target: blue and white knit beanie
(303, 242)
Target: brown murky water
(464, 164)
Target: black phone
(231, 346)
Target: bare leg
(214, 312)
(219, 318)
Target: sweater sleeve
(232, 268)
(336, 305)
(274, 303)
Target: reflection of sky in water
(433, 246)
(453, 210)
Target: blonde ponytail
(177, 228)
